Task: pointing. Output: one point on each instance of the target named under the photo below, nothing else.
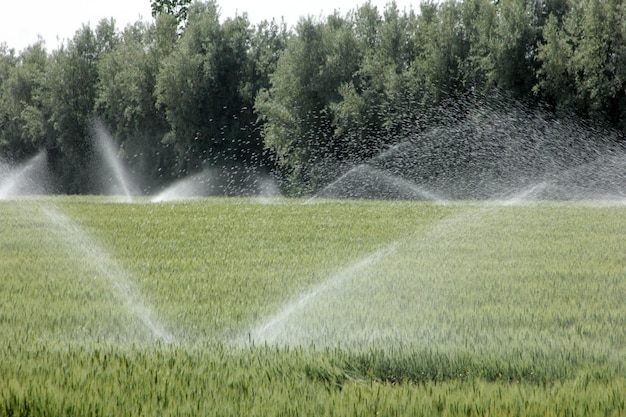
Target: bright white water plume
(367, 181)
(268, 192)
(185, 188)
(24, 179)
(278, 327)
(120, 282)
(404, 288)
(489, 151)
(213, 182)
(118, 181)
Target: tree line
(189, 91)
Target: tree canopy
(192, 90)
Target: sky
(21, 23)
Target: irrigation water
(218, 183)
(185, 188)
(279, 327)
(498, 156)
(491, 151)
(119, 281)
(405, 278)
(116, 179)
(31, 177)
(368, 181)
(502, 155)
(26, 178)
(455, 283)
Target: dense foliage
(191, 90)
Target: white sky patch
(22, 23)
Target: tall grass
(477, 309)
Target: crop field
(285, 307)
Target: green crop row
(266, 381)
(234, 307)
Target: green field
(236, 307)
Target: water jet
(491, 150)
(277, 328)
(26, 178)
(193, 186)
(117, 180)
(78, 242)
(368, 182)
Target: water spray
(121, 180)
(24, 179)
(77, 240)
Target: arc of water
(184, 188)
(405, 184)
(106, 149)
(17, 179)
(77, 239)
(389, 180)
(553, 181)
(267, 330)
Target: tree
(296, 110)
(203, 89)
(267, 41)
(378, 101)
(71, 83)
(179, 9)
(512, 60)
(444, 46)
(24, 127)
(583, 60)
(127, 104)
(599, 60)
(554, 54)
